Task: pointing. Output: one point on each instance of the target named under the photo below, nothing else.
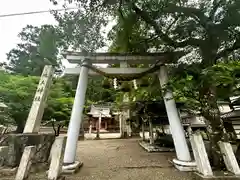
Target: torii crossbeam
(116, 58)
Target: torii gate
(86, 60)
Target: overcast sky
(11, 26)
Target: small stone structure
(16, 144)
(55, 168)
(3, 153)
(229, 158)
(204, 169)
(32, 147)
(200, 154)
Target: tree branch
(188, 11)
(170, 26)
(145, 16)
(229, 50)
(147, 39)
(216, 4)
(120, 10)
(231, 16)
(194, 13)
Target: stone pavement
(122, 159)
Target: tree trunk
(53, 126)
(209, 106)
(58, 130)
(238, 152)
(20, 126)
(215, 126)
(143, 131)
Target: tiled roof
(3, 105)
(235, 113)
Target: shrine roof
(103, 109)
(232, 114)
(2, 105)
(114, 58)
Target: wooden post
(143, 131)
(90, 130)
(120, 124)
(151, 132)
(100, 121)
(98, 126)
(106, 125)
(25, 163)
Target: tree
(59, 105)
(186, 85)
(39, 47)
(80, 31)
(208, 30)
(96, 91)
(17, 93)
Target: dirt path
(121, 160)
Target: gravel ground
(121, 159)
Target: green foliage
(207, 29)
(150, 93)
(125, 87)
(106, 84)
(210, 28)
(17, 93)
(39, 47)
(81, 31)
(59, 102)
(186, 85)
(97, 93)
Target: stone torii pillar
(76, 120)
(125, 128)
(182, 151)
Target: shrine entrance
(154, 63)
(101, 122)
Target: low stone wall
(16, 144)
